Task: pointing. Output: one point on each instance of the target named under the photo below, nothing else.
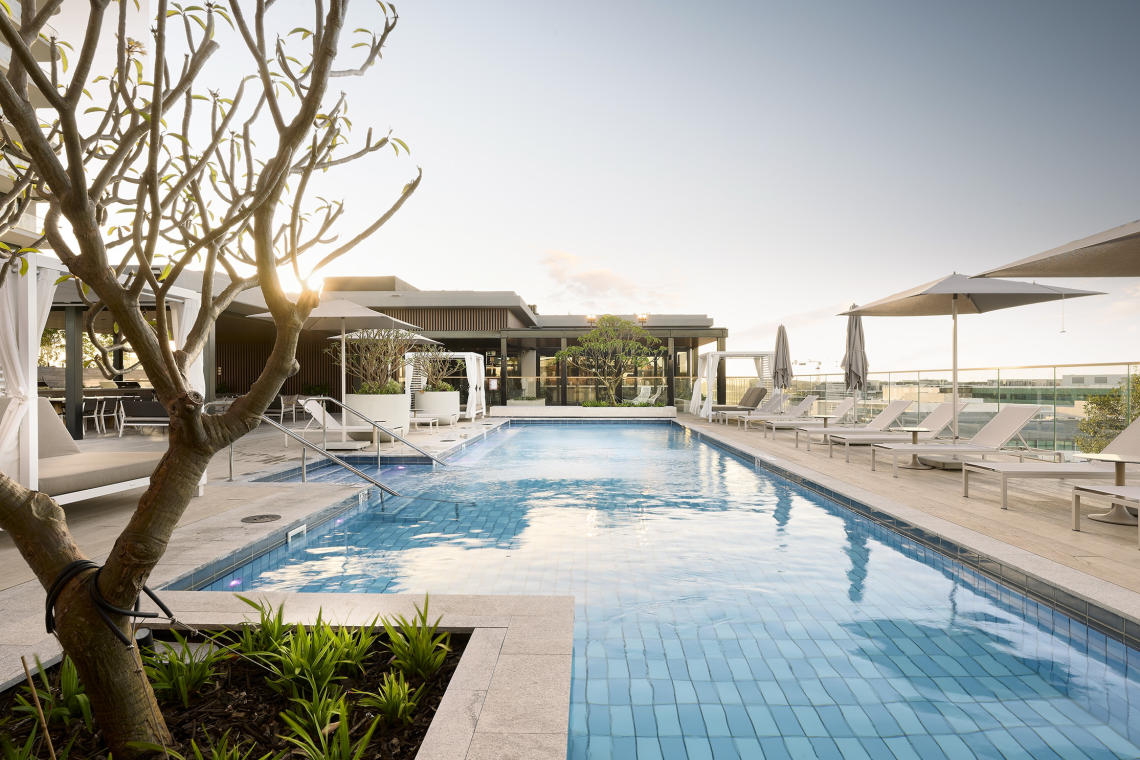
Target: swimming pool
(723, 612)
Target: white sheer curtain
(19, 377)
(183, 314)
(695, 399)
(473, 363)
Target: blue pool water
(723, 612)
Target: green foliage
(315, 389)
(395, 702)
(435, 365)
(219, 749)
(25, 751)
(318, 736)
(390, 388)
(267, 636)
(418, 651)
(375, 357)
(181, 670)
(615, 348)
(1106, 415)
(309, 662)
(63, 703)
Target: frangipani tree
(145, 170)
(615, 348)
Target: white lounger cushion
(94, 469)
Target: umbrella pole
(954, 358)
(343, 391)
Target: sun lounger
(797, 412)
(935, 422)
(989, 440)
(1127, 442)
(772, 406)
(68, 474)
(881, 421)
(748, 402)
(320, 418)
(1125, 496)
(842, 409)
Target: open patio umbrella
(855, 357)
(782, 361)
(341, 314)
(959, 294)
(1111, 253)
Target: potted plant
(374, 359)
(438, 397)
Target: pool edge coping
(1073, 592)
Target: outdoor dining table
(914, 464)
(1117, 514)
(826, 417)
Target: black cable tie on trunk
(102, 606)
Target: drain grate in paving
(260, 518)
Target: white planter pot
(442, 404)
(388, 409)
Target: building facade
(517, 341)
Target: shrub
(418, 651)
(220, 749)
(64, 703)
(395, 701)
(390, 388)
(181, 669)
(311, 657)
(318, 737)
(268, 636)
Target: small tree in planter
(613, 349)
(374, 358)
(438, 396)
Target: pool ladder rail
(307, 444)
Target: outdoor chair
(642, 395)
(137, 412)
(881, 421)
(1126, 443)
(989, 440)
(935, 422)
(93, 410)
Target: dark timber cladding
(517, 340)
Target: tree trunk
(112, 674)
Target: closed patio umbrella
(855, 357)
(959, 294)
(1111, 253)
(341, 314)
(782, 361)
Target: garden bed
(272, 689)
(586, 412)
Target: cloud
(599, 289)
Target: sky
(760, 162)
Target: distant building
(517, 341)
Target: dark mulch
(243, 703)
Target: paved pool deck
(1100, 563)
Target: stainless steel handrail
(305, 446)
(376, 425)
(310, 445)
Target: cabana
(476, 381)
(26, 301)
(707, 368)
